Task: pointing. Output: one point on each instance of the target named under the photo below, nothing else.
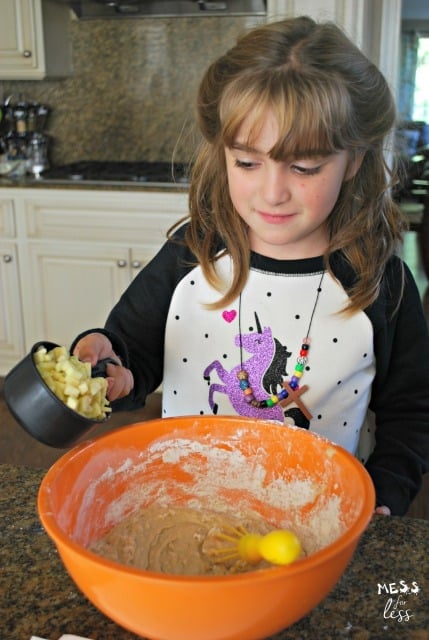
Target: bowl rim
(344, 540)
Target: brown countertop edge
(37, 597)
(84, 186)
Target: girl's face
(284, 203)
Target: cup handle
(99, 369)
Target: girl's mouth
(279, 218)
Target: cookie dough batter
(177, 540)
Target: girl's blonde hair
(327, 96)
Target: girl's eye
(244, 164)
(306, 171)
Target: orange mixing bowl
(287, 475)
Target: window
(421, 86)
(413, 94)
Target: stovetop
(107, 172)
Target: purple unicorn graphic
(266, 368)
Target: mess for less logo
(397, 607)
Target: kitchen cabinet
(34, 40)
(11, 326)
(77, 284)
(78, 250)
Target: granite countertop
(37, 597)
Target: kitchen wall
(132, 92)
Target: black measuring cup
(38, 410)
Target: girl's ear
(354, 165)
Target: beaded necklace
(292, 390)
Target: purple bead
(294, 381)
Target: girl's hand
(96, 346)
(382, 511)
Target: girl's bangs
(309, 123)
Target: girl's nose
(274, 185)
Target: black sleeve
(400, 395)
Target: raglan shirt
(367, 374)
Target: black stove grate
(107, 171)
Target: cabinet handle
(27, 53)
(136, 264)
(121, 263)
(7, 258)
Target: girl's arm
(400, 397)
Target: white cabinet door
(72, 288)
(11, 330)
(11, 326)
(21, 38)
(30, 34)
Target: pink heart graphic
(229, 315)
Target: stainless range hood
(93, 9)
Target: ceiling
(415, 10)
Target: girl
(282, 297)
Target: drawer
(116, 217)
